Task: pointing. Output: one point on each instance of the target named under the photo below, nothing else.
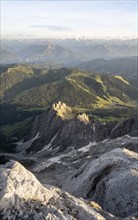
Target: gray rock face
(60, 128)
(23, 197)
(134, 128)
(111, 181)
(125, 127)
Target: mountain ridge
(60, 129)
(75, 50)
(64, 84)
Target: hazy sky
(32, 19)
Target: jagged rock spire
(83, 117)
(62, 110)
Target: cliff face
(23, 197)
(59, 128)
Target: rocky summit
(60, 129)
(23, 197)
(62, 110)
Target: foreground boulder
(23, 197)
(111, 181)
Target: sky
(66, 18)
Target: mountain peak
(83, 117)
(62, 110)
(49, 45)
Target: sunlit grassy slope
(32, 87)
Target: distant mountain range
(7, 57)
(69, 52)
(45, 53)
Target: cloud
(52, 27)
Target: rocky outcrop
(83, 117)
(62, 110)
(134, 128)
(59, 128)
(124, 127)
(111, 181)
(23, 197)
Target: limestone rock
(111, 181)
(23, 197)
